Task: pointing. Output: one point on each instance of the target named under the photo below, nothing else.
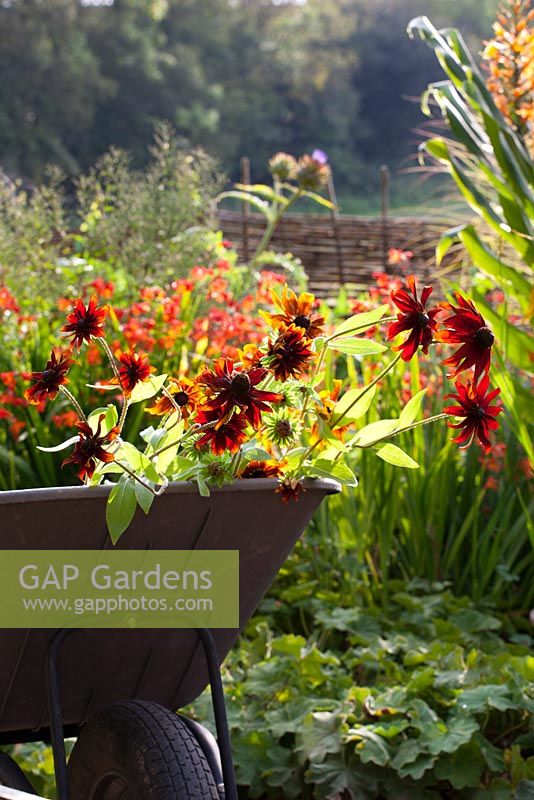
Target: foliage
(492, 167)
(123, 225)
(337, 692)
(232, 76)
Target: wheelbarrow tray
(99, 667)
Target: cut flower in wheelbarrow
(274, 411)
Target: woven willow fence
(342, 249)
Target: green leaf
(374, 432)
(59, 447)
(361, 322)
(111, 417)
(357, 347)
(410, 412)
(260, 205)
(147, 389)
(352, 408)
(506, 276)
(463, 768)
(319, 735)
(338, 470)
(371, 748)
(319, 199)
(144, 497)
(120, 509)
(138, 461)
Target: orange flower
(134, 368)
(297, 311)
(260, 469)
(185, 393)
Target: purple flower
(320, 156)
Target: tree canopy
(239, 77)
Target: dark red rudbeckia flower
(473, 404)
(90, 448)
(260, 469)
(232, 387)
(46, 383)
(85, 321)
(227, 434)
(290, 489)
(134, 368)
(466, 327)
(288, 354)
(414, 317)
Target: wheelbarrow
(117, 690)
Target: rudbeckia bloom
(230, 388)
(466, 327)
(297, 311)
(290, 489)
(473, 407)
(185, 393)
(90, 448)
(288, 354)
(134, 368)
(46, 383)
(260, 469)
(85, 322)
(414, 317)
(226, 435)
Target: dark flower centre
(49, 376)
(302, 321)
(423, 319)
(240, 386)
(181, 398)
(479, 412)
(484, 337)
(283, 428)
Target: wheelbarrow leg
(56, 718)
(219, 709)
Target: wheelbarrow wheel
(139, 751)
(12, 777)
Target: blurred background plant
(116, 222)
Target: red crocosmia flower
(85, 321)
(134, 368)
(288, 353)
(466, 327)
(260, 469)
(46, 383)
(90, 448)
(290, 489)
(226, 435)
(414, 317)
(231, 387)
(473, 404)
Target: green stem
(411, 427)
(359, 328)
(70, 397)
(194, 429)
(271, 227)
(366, 389)
(111, 359)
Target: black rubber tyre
(139, 751)
(12, 776)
